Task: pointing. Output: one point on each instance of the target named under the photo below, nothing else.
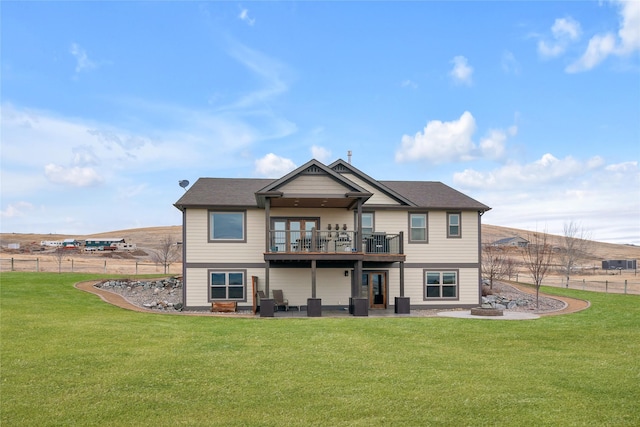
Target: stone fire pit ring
(482, 311)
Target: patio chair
(262, 295)
(280, 300)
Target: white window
(441, 285)
(225, 226)
(367, 224)
(453, 224)
(226, 285)
(418, 228)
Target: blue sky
(532, 108)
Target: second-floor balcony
(342, 244)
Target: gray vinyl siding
(200, 250)
(467, 288)
(377, 198)
(440, 248)
(313, 184)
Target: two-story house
(331, 237)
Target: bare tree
(510, 266)
(58, 255)
(493, 263)
(167, 253)
(537, 257)
(574, 245)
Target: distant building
(54, 243)
(619, 264)
(102, 242)
(512, 241)
(70, 244)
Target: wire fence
(86, 265)
(620, 282)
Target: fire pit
(482, 311)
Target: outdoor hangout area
(70, 358)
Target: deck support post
(313, 278)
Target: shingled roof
(207, 192)
(242, 192)
(434, 195)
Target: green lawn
(68, 358)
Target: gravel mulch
(138, 299)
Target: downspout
(357, 271)
(402, 264)
(313, 278)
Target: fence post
(606, 286)
(37, 265)
(105, 266)
(583, 283)
(625, 286)
(136, 268)
(12, 269)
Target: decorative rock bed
(162, 294)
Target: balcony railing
(284, 241)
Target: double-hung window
(441, 285)
(226, 285)
(454, 224)
(367, 224)
(227, 226)
(418, 228)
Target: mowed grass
(68, 358)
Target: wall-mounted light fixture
(346, 273)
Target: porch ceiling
(312, 202)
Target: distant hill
(598, 250)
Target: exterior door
(374, 287)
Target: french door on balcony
(292, 234)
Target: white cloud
(600, 47)
(493, 146)
(83, 62)
(629, 32)
(75, 176)
(268, 69)
(566, 28)
(622, 168)
(17, 209)
(606, 44)
(550, 191)
(273, 166)
(564, 31)
(545, 170)
(409, 83)
(442, 142)
(320, 153)
(510, 64)
(462, 71)
(244, 16)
